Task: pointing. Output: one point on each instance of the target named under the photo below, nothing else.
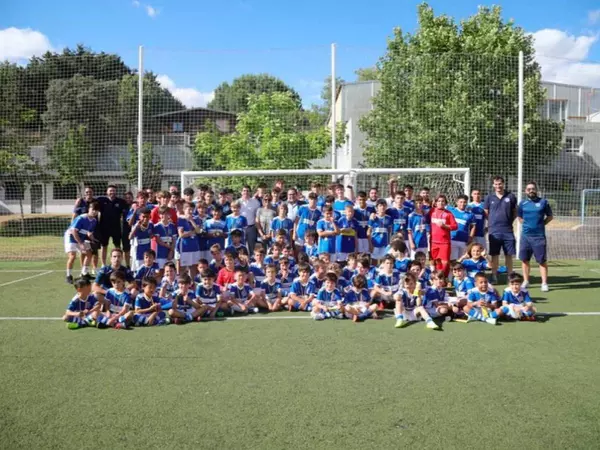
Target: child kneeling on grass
(208, 294)
(357, 301)
(83, 309)
(329, 302)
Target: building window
(555, 110)
(13, 191)
(177, 127)
(65, 191)
(574, 144)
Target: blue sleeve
(527, 298)
(506, 297)
(72, 306)
(127, 299)
(138, 301)
(472, 297)
(548, 209)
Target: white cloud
(151, 11)
(136, 3)
(190, 97)
(563, 57)
(594, 17)
(18, 44)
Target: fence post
(333, 112)
(140, 136)
(520, 152)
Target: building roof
(573, 164)
(195, 111)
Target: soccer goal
(449, 181)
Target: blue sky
(195, 45)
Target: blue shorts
(502, 241)
(533, 246)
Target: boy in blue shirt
(78, 239)
(482, 302)
(184, 307)
(379, 231)
(118, 303)
(282, 222)
(271, 289)
(310, 244)
(418, 229)
(435, 299)
(387, 283)
(340, 202)
(357, 301)
(149, 269)
(399, 215)
(466, 228)
(83, 309)
(329, 301)
(208, 295)
(306, 219)
(462, 284)
(302, 292)
(235, 221)
(408, 303)
(188, 228)
(347, 240)
(241, 296)
(516, 301)
(476, 208)
(216, 229)
(327, 231)
(165, 234)
(148, 309)
(362, 214)
(102, 282)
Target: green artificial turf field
(285, 381)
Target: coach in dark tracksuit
(501, 211)
(109, 226)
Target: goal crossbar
(352, 173)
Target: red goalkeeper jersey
(440, 235)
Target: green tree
(449, 98)
(273, 134)
(71, 157)
(234, 97)
(152, 168)
(367, 74)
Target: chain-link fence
(71, 120)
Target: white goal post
(459, 175)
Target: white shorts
(432, 312)
(414, 252)
(188, 259)
(161, 263)
(411, 315)
(378, 253)
(205, 254)
(299, 242)
(341, 257)
(137, 263)
(363, 246)
(481, 241)
(72, 247)
(457, 250)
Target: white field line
(550, 314)
(26, 278)
(28, 270)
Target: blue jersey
(272, 260)
(208, 296)
(282, 224)
(307, 220)
(82, 224)
(464, 220)
(487, 297)
(345, 242)
(236, 223)
(311, 250)
(167, 234)
(241, 294)
(258, 271)
(117, 300)
(534, 213)
(78, 304)
(142, 302)
(190, 243)
(401, 264)
(286, 280)
(478, 218)
(326, 244)
(226, 207)
(409, 206)
(147, 272)
(363, 216)
(343, 285)
(81, 207)
(522, 298)
(463, 286)
(389, 283)
(433, 296)
(103, 276)
(142, 240)
(216, 266)
(170, 288)
(303, 290)
(473, 267)
(370, 281)
(340, 205)
(380, 230)
(329, 298)
(181, 302)
(419, 228)
(399, 218)
(271, 290)
(408, 299)
(352, 296)
(348, 273)
(318, 282)
(216, 226)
